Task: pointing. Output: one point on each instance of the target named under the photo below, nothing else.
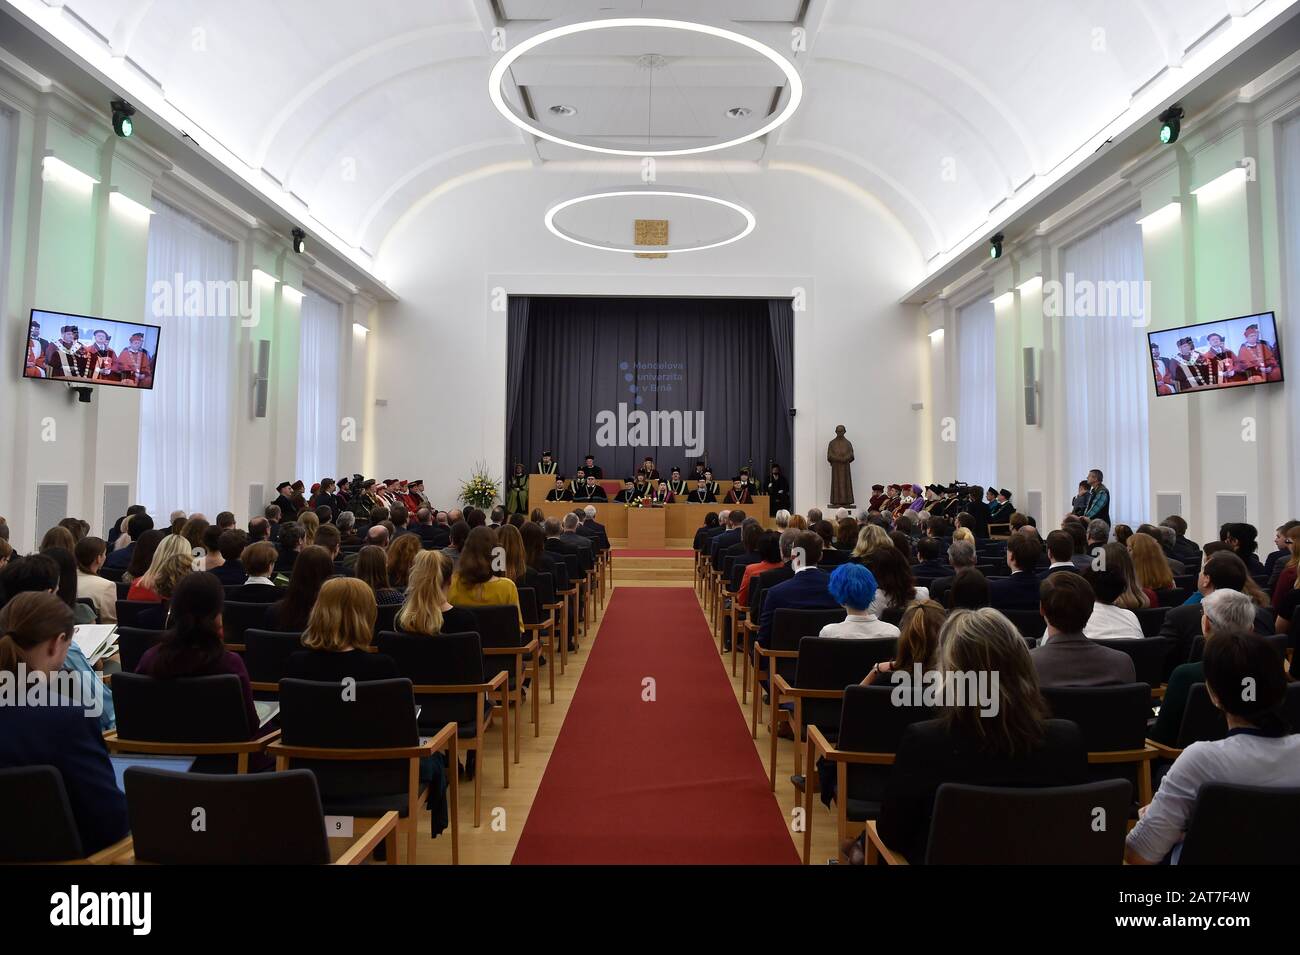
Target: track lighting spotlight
(1170, 125)
(123, 124)
(299, 241)
(995, 246)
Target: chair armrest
(157, 748)
(110, 854)
(1123, 755)
(451, 689)
(1163, 751)
(825, 749)
(419, 751)
(237, 647)
(360, 850)
(888, 855)
(442, 738)
(781, 654)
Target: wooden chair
(1202, 720)
(266, 655)
(448, 675)
(789, 626)
(365, 751)
(825, 666)
(45, 831)
(505, 641)
(1233, 824)
(870, 728)
(541, 629)
(990, 825)
(568, 589)
(201, 716)
(1113, 722)
(257, 819)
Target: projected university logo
(652, 429)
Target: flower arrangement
(480, 489)
(635, 502)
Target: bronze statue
(840, 455)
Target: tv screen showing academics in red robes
(81, 350)
(1216, 355)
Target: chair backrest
(89, 602)
(1148, 656)
(236, 617)
(140, 613)
(132, 642)
(544, 586)
(449, 659)
(45, 830)
(497, 626)
(386, 618)
(262, 818)
(112, 573)
(1055, 825)
(1151, 620)
(789, 626)
(1110, 718)
(1030, 623)
(123, 586)
(832, 663)
(1242, 825)
(1202, 720)
(267, 653)
(381, 713)
(193, 709)
(870, 722)
(1278, 641)
(1174, 597)
(528, 605)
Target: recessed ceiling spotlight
(560, 109)
(739, 112)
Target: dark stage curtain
(731, 359)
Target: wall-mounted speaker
(1230, 508)
(261, 376)
(117, 498)
(1034, 506)
(1031, 387)
(256, 500)
(51, 506)
(1169, 503)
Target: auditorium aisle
(655, 763)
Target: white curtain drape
(977, 394)
(1289, 317)
(185, 427)
(1106, 374)
(319, 373)
(8, 131)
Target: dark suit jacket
(582, 546)
(1061, 569)
(929, 756)
(594, 531)
(806, 590)
(67, 739)
(1017, 592)
(1071, 659)
(704, 534)
(1183, 626)
(231, 573)
(120, 558)
(433, 534)
(932, 568)
(257, 594)
(721, 542)
(764, 582)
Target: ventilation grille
(51, 506)
(256, 500)
(1230, 508)
(117, 498)
(1167, 505)
(1034, 506)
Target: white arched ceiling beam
(466, 33)
(127, 25)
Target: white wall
(442, 348)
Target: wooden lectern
(645, 528)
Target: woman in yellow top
(473, 584)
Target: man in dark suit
(1066, 657)
(433, 536)
(561, 490)
(932, 564)
(120, 559)
(706, 531)
(583, 546)
(590, 491)
(1020, 590)
(1223, 570)
(961, 555)
(728, 537)
(231, 543)
(1060, 549)
(284, 502)
(807, 589)
(592, 528)
(592, 469)
(1187, 551)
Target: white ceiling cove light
(553, 211)
(793, 80)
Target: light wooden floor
(506, 810)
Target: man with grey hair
(863, 514)
(961, 555)
(592, 529)
(177, 516)
(1223, 611)
(346, 522)
(1168, 541)
(272, 514)
(1097, 534)
(782, 519)
(582, 545)
(814, 515)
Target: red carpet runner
(675, 781)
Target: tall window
(1289, 318)
(1106, 374)
(185, 427)
(319, 372)
(977, 394)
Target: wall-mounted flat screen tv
(1215, 355)
(81, 350)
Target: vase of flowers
(480, 489)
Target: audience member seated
(401, 554)
(426, 608)
(35, 637)
(1223, 570)
(807, 589)
(90, 553)
(769, 558)
(1277, 561)
(230, 545)
(457, 536)
(259, 560)
(961, 556)
(1061, 553)
(1109, 621)
(142, 555)
(1065, 656)
(338, 631)
(1244, 541)
(895, 585)
(193, 645)
(932, 565)
(290, 542)
(473, 583)
(1152, 570)
(171, 561)
(969, 590)
(1020, 590)
(328, 537)
(290, 614)
(871, 539)
(371, 568)
(918, 644)
(1003, 739)
(1187, 551)
(1258, 750)
(136, 527)
(853, 587)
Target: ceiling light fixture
(1171, 122)
(750, 221)
(502, 66)
(995, 246)
(563, 109)
(739, 112)
(299, 241)
(123, 124)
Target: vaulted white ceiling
(951, 112)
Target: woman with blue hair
(853, 587)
